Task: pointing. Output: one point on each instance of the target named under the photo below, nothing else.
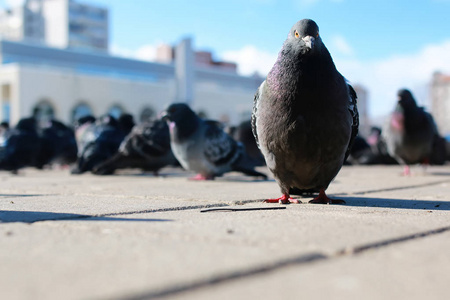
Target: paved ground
(133, 236)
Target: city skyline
(381, 45)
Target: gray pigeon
(203, 147)
(305, 117)
(409, 132)
(147, 147)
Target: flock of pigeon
(304, 127)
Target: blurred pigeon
(146, 147)
(58, 144)
(243, 133)
(439, 150)
(305, 117)
(20, 146)
(410, 132)
(203, 147)
(359, 153)
(379, 150)
(96, 142)
(126, 123)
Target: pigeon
(305, 116)
(409, 132)
(359, 152)
(146, 147)
(379, 153)
(96, 142)
(202, 145)
(243, 133)
(126, 123)
(20, 146)
(58, 144)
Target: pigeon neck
(183, 130)
(412, 118)
(291, 70)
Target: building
(202, 59)
(65, 24)
(440, 101)
(54, 62)
(66, 84)
(363, 110)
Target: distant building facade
(54, 62)
(68, 84)
(363, 110)
(440, 101)
(65, 24)
(202, 59)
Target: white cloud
(382, 77)
(14, 3)
(339, 43)
(145, 52)
(251, 60)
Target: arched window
(43, 111)
(147, 114)
(116, 111)
(81, 110)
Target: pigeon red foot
(285, 199)
(324, 199)
(200, 177)
(406, 171)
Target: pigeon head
(406, 99)
(178, 113)
(304, 36)
(182, 120)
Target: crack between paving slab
(304, 259)
(394, 188)
(180, 208)
(78, 217)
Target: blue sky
(383, 45)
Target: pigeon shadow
(396, 203)
(11, 216)
(242, 179)
(440, 173)
(24, 195)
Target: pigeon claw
(406, 171)
(200, 177)
(285, 199)
(324, 199)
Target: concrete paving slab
(417, 269)
(149, 236)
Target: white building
(66, 84)
(440, 102)
(363, 109)
(57, 23)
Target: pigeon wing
(219, 147)
(255, 113)
(353, 108)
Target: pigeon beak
(309, 41)
(164, 115)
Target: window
(81, 110)
(43, 111)
(147, 114)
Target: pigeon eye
(297, 35)
(317, 35)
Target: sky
(383, 45)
